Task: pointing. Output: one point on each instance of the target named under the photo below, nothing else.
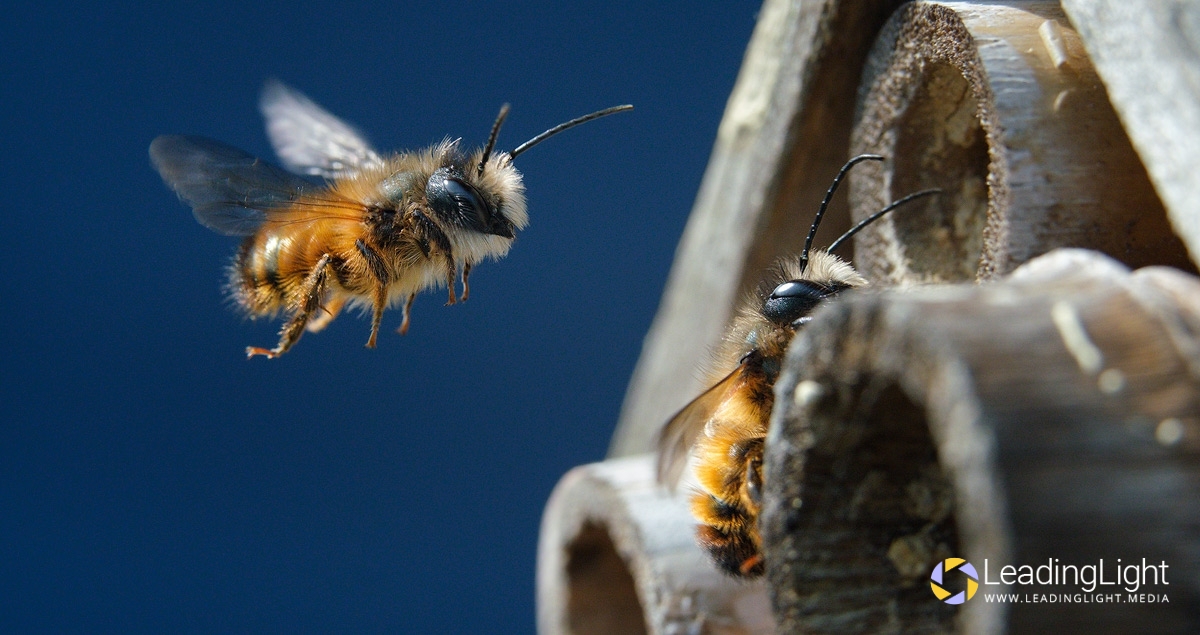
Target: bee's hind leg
(310, 300)
(328, 312)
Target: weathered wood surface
(785, 133)
(617, 555)
(1053, 415)
(1007, 114)
(999, 106)
(1148, 54)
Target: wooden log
(1050, 418)
(997, 104)
(617, 555)
(1148, 55)
(785, 133)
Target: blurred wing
(677, 437)
(308, 139)
(233, 193)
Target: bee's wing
(232, 192)
(676, 438)
(308, 139)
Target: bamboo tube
(1055, 415)
(617, 555)
(997, 104)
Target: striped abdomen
(268, 273)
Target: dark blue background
(153, 480)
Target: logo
(945, 567)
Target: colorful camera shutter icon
(945, 568)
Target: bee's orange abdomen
(729, 535)
(269, 270)
(728, 515)
(255, 279)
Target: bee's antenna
(874, 217)
(491, 144)
(825, 203)
(564, 126)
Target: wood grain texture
(1057, 414)
(1148, 54)
(784, 135)
(999, 106)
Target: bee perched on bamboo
(722, 431)
(377, 231)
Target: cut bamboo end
(617, 554)
(1000, 107)
(1054, 415)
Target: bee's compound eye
(453, 195)
(794, 299)
(796, 288)
(458, 202)
(467, 199)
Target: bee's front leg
(451, 275)
(310, 300)
(407, 310)
(466, 273)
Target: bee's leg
(466, 273)
(379, 270)
(754, 484)
(451, 274)
(329, 311)
(312, 290)
(380, 298)
(407, 307)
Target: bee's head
(483, 193)
(792, 294)
(793, 301)
(799, 286)
(480, 211)
(491, 202)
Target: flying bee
(722, 430)
(376, 232)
